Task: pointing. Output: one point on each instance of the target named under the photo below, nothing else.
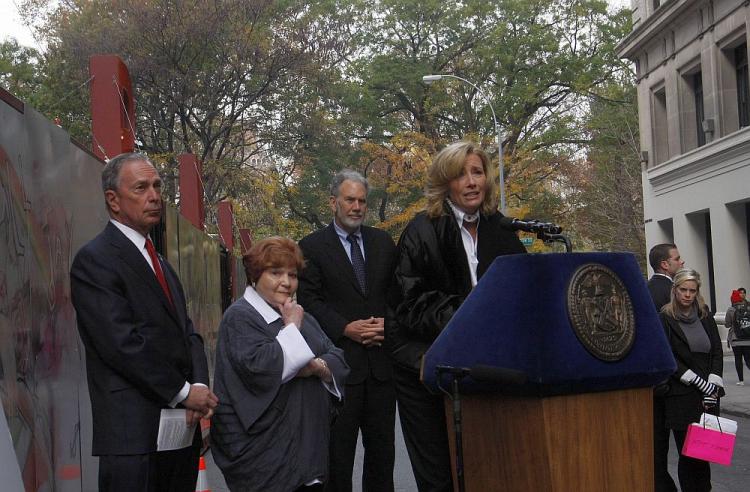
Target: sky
(11, 25)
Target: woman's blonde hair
(448, 165)
(683, 275)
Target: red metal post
(191, 189)
(246, 240)
(112, 106)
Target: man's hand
(366, 331)
(192, 417)
(291, 312)
(202, 400)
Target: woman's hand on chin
(291, 312)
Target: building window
(691, 109)
(734, 86)
(699, 115)
(743, 87)
(659, 125)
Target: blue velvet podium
(584, 331)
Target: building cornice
(718, 157)
(652, 26)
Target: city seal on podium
(601, 312)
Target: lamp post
(429, 79)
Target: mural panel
(50, 205)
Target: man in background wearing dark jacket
(345, 287)
(665, 260)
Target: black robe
(269, 436)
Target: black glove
(709, 402)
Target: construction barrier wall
(51, 203)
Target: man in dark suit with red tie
(142, 354)
(345, 286)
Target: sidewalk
(737, 400)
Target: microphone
(532, 225)
(484, 373)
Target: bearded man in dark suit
(142, 354)
(345, 287)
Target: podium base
(586, 442)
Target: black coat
(140, 350)
(328, 289)
(684, 402)
(433, 278)
(660, 288)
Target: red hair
(272, 252)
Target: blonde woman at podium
(443, 251)
(697, 384)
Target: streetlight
(429, 79)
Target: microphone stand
(455, 397)
(552, 238)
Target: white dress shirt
(470, 245)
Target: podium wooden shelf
(588, 442)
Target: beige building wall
(695, 194)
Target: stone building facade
(691, 59)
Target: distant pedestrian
(736, 319)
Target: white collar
(135, 237)
(664, 275)
(462, 216)
(264, 309)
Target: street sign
(527, 241)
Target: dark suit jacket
(140, 350)
(330, 292)
(660, 288)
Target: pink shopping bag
(708, 445)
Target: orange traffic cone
(202, 483)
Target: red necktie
(157, 269)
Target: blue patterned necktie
(358, 262)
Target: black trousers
(167, 471)
(694, 475)
(371, 407)
(422, 417)
(663, 481)
(739, 354)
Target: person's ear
(113, 200)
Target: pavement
(737, 399)
(735, 403)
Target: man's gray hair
(111, 171)
(351, 175)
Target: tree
(608, 182)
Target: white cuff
(687, 377)
(296, 351)
(717, 380)
(181, 396)
(332, 387)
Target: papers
(718, 423)
(174, 432)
